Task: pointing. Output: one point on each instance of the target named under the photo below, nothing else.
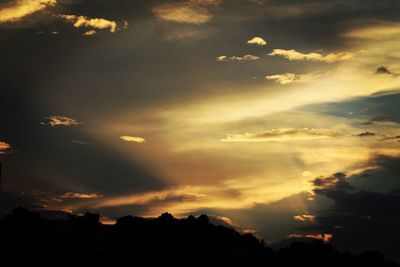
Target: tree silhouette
(163, 241)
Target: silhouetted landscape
(27, 238)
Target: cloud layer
(282, 134)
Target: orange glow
(324, 237)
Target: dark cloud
(363, 215)
(366, 134)
(383, 70)
(378, 107)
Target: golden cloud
(60, 121)
(281, 134)
(20, 8)
(72, 195)
(135, 139)
(288, 78)
(305, 218)
(4, 147)
(96, 23)
(257, 41)
(235, 58)
(194, 12)
(293, 55)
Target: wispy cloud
(194, 11)
(236, 58)
(96, 23)
(60, 121)
(366, 134)
(257, 41)
(135, 139)
(79, 142)
(293, 55)
(281, 134)
(187, 34)
(73, 195)
(323, 237)
(17, 9)
(288, 78)
(380, 31)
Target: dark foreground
(165, 241)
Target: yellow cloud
(288, 78)
(20, 8)
(4, 147)
(96, 23)
(235, 58)
(60, 121)
(133, 139)
(257, 41)
(293, 55)
(282, 134)
(194, 12)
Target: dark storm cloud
(366, 208)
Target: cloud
(89, 33)
(4, 147)
(380, 31)
(72, 195)
(18, 9)
(235, 58)
(79, 142)
(293, 55)
(257, 41)
(192, 12)
(366, 134)
(133, 139)
(323, 237)
(60, 121)
(281, 134)
(383, 70)
(96, 23)
(288, 78)
(187, 34)
(364, 213)
(305, 218)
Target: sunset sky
(279, 117)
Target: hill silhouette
(26, 238)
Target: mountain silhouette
(26, 238)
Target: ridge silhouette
(26, 238)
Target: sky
(279, 118)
